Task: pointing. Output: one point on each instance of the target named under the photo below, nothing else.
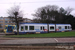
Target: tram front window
(10, 29)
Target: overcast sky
(30, 6)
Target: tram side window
(59, 27)
(31, 27)
(51, 28)
(65, 27)
(43, 28)
(40, 28)
(22, 28)
(26, 27)
(69, 27)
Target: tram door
(9, 29)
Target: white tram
(42, 28)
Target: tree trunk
(48, 27)
(17, 28)
(55, 27)
(17, 31)
(17, 23)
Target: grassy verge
(58, 34)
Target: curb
(42, 44)
(39, 37)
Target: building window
(26, 27)
(6, 21)
(27, 20)
(1, 21)
(6, 24)
(51, 27)
(13, 22)
(31, 27)
(1, 18)
(65, 27)
(1, 27)
(9, 21)
(22, 28)
(1, 24)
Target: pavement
(35, 40)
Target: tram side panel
(51, 27)
(63, 27)
(32, 28)
(42, 28)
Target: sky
(29, 7)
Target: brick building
(26, 20)
(6, 21)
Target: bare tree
(69, 10)
(15, 14)
(46, 14)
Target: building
(6, 21)
(26, 20)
